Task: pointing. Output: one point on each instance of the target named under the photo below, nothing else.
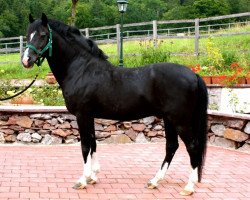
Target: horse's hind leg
(171, 147)
(193, 149)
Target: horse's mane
(76, 39)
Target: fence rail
(153, 30)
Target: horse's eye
(43, 34)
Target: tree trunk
(73, 13)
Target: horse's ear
(44, 20)
(31, 19)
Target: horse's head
(39, 41)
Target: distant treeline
(94, 13)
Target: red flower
(234, 65)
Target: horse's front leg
(88, 144)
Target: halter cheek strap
(40, 58)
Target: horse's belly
(124, 112)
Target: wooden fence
(147, 30)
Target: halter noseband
(40, 59)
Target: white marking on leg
(95, 165)
(86, 171)
(193, 178)
(159, 175)
(87, 166)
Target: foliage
(94, 13)
(214, 55)
(152, 52)
(46, 95)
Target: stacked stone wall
(61, 128)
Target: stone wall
(59, 128)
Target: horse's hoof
(151, 185)
(91, 181)
(186, 193)
(79, 186)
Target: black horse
(94, 88)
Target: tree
(73, 12)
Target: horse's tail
(200, 124)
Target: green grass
(237, 43)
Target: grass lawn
(239, 44)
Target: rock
(46, 116)
(75, 132)
(48, 126)
(10, 138)
(4, 117)
(138, 127)
(247, 128)
(98, 127)
(245, 147)
(105, 122)
(100, 135)
(224, 142)
(38, 123)
(65, 125)
(117, 139)
(127, 125)
(60, 132)
(118, 132)
(24, 121)
(24, 137)
(148, 120)
(50, 140)
(247, 141)
(235, 135)
(110, 128)
(131, 134)
(71, 139)
(157, 140)
(161, 133)
(2, 139)
(152, 133)
(158, 128)
(16, 128)
(212, 139)
(74, 124)
(141, 138)
(60, 120)
(53, 121)
(3, 123)
(35, 116)
(36, 137)
(218, 129)
(7, 131)
(68, 117)
(43, 132)
(238, 124)
(12, 120)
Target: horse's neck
(64, 58)
(61, 58)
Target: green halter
(40, 59)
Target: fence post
(155, 35)
(87, 32)
(21, 47)
(197, 36)
(118, 32)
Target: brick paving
(49, 172)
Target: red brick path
(49, 172)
